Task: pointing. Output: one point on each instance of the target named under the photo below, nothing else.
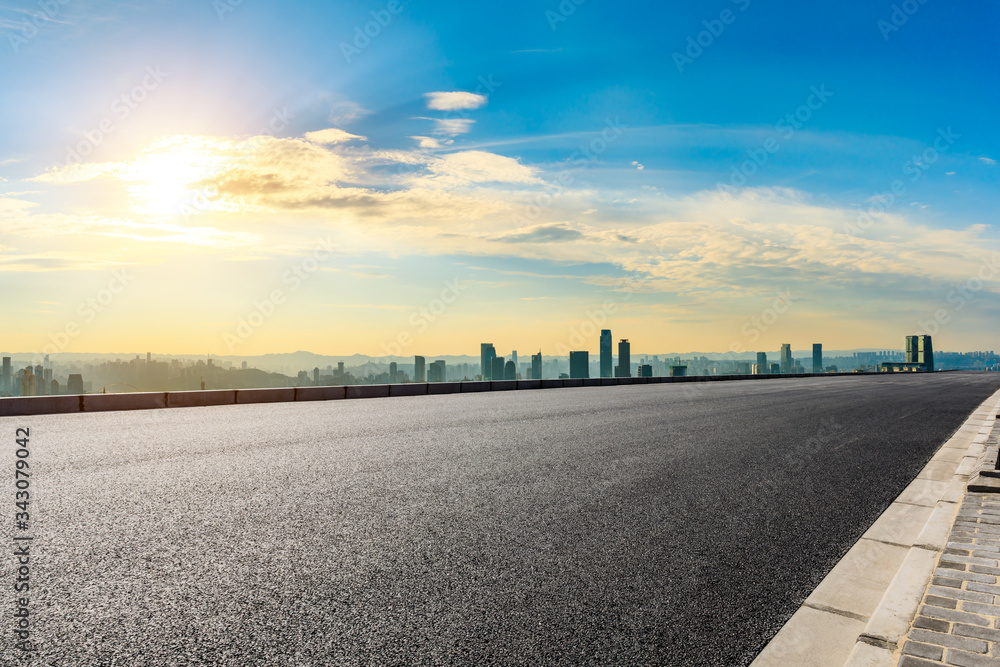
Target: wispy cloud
(454, 101)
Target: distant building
(536, 366)
(75, 384)
(761, 367)
(678, 371)
(775, 368)
(498, 366)
(5, 377)
(393, 372)
(624, 368)
(513, 357)
(509, 371)
(579, 364)
(607, 358)
(28, 382)
(817, 358)
(912, 350)
(316, 376)
(644, 371)
(487, 353)
(920, 350)
(786, 359)
(39, 380)
(419, 369)
(54, 388)
(437, 371)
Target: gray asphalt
(656, 524)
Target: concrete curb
(48, 405)
(859, 613)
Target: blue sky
(465, 142)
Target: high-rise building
(28, 382)
(149, 357)
(419, 371)
(607, 358)
(761, 363)
(579, 364)
(437, 371)
(786, 358)
(925, 352)
(678, 371)
(624, 368)
(509, 371)
(316, 376)
(5, 377)
(775, 368)
(487, 353)
(817, 358)
(912, 349)
(513, 357)
(536, 366)
(75, 384)
(497, 368)
(644, 371)
(393, 372)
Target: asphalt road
(661, 524)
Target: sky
(240, 177)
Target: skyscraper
(624, 368)
(785, 358)
(437, 371)
(497, 368)
(912, 349)
(509, 371)
(644, 371)
(75, 384)
(817, 357)
(579, 364)
(487, 353)
(607, 358)
(5, 377)
(39, 381)
(316, 376)
(419, 371)
(513, 357)
(393, 372)
(536, 366)
(28, 382)
(925, 352)
(762, 363)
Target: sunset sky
(518, 170)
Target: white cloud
(427, 142)
(454, 101)
(450, 127)
(637, 165)
(345, 113)
(332, 136)
(988, 160)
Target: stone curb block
(137, 401)
(192, 399)
(40, 405)
(503, 385)
(368, 391)
(320, 393)
(437, 388)
(529, 384)
(415, 389)
(474, 386)
(280, 395)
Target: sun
(173, 179)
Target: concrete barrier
(411, 389)
(39, 405)
(529, 384)
(552, 384)
(190, 399)
(592, 382)
(445, 387)
(368, 391)
(320, 393)
(503, 385)
(279, 395)
(475, 386)
(573, 382)
(136, 401)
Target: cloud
(427, 142)
(332, 136)
(451, 127)
(988, 160)
(454, 101)
(480, 167)
(557, 233)
(345, 113)
(637, 165)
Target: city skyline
(339, 190)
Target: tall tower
(5, 376)
(912, 349)
(925, 352)
(579, 364)
(487, 353)
(419, 369)
(393, 372)
(624, 369)
(536, 366)
(761, 363)
(817, 358)
(607, 360)
(786, 358)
